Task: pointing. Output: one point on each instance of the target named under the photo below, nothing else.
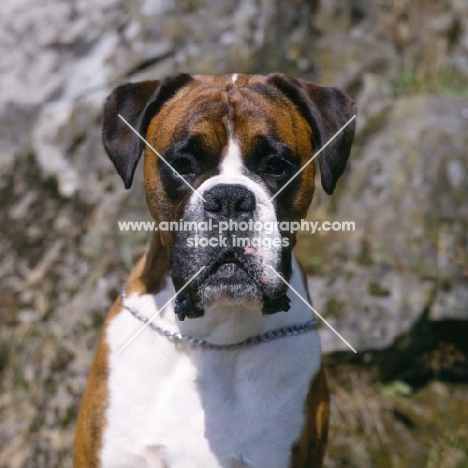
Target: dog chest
(175, 406)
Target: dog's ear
(137, 103)
(326, 110)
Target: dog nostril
(212, 204)
(246, 203)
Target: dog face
(237, 140)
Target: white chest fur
(178, 406)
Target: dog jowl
(237, 140)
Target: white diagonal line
(156, 152)
(313, 157)
(160, 310)
(313, 310)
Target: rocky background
(396, 288)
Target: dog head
(227, 145)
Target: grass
(426, 37)
(418, 78)
(394, 426)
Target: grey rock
(407, 192)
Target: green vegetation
(393, 425)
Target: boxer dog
(228, 374)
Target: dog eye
(276, 166)
(183, 166)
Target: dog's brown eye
(183, 166)
(276, 166)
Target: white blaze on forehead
(232, 163)
(234, 77)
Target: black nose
(225, 201)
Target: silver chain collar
(253, 340)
